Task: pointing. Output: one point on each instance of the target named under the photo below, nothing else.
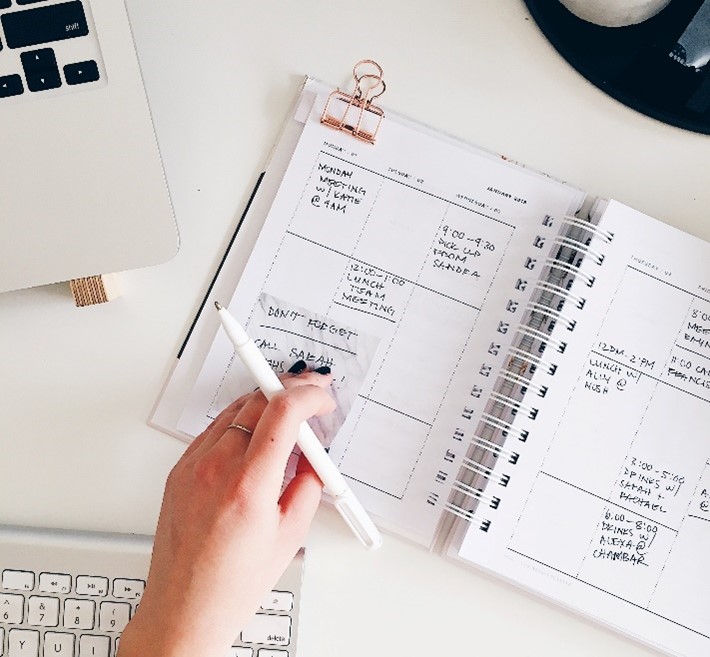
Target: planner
(521, 369)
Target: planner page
(608, 509)
(390, 264)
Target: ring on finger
(241, 427)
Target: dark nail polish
(322, 370)
(297, 367)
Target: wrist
(161, 635)
(176, 626)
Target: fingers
(310, 378)
(247, 411)
(231, 437)
(277, 430)
(207, 436)
(263, 454)
(253, 402)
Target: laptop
(82, 187)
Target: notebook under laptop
(82, 188)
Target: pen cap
(357, 519)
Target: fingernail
(297, 367)
(322, 370)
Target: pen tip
(218, 305)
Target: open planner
(522, 371)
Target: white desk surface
(76, 385)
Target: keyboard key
(5, 4)
(31, 27)
(58, 644)
(81, 72)
(94, 646)
(43, 611)
(12, 608)
(18, 580)
(278, 601)
(70, 608)
(29, 2)
(90, 585)
(131, 589)
(41, 69)
(54, 583)
(79, 614)
(114, 616)
(269, 630)
(23, 643)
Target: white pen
(334, 483)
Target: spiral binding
(535, 362)
(580, 246)
(497, 449)
(479, 468)
(546, 286)
(486, 473)
(586, 226)
(543, 337)
(468, 516)
(514, 404)
(573, 270)
(504, 427)
(522, 382)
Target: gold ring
(241, 427)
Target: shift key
(31, 27)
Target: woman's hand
(226, 532)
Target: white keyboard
(70, 594)
(48, 48)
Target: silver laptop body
(82, 188)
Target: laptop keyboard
(47, 48)
(71, 594)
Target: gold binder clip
(355, 113)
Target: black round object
(639, 65)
